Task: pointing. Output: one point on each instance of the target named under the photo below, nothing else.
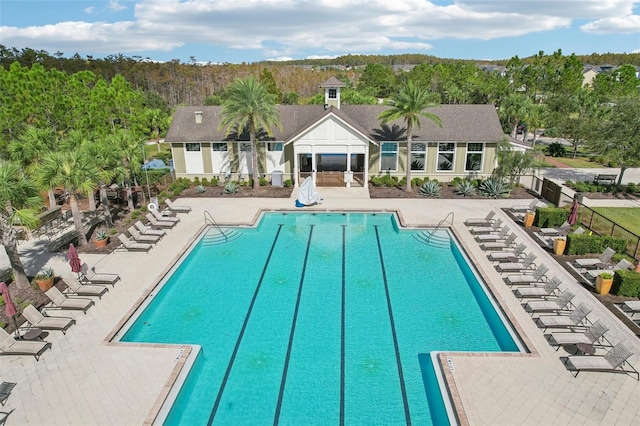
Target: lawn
(579, 162)
(627, 217)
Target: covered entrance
(333, 169)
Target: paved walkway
(89, 378)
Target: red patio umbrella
(573, 213)
(74, 259)
(10, 309)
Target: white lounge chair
(62, 301)
(613, 361)
(592, 335)
(147, 230)
(176, 209)
(483, 221)
(159, 223)
(161, 216)
(138, 237)
(633, 306)
(37, 320)
(592, 274)
(561, 230)
(499, 236)
(525, 208)
(574, 320)
(90, 276)
(536, 276)
(526, 263)
(11, 346)
(131, 245)
(493, 228)
(508, 243)
(601, 262)
(508, 256)
(549, 288)
(561, 303)
(78, 289)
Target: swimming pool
(322, 318)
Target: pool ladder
(431, 237)
(217, 235)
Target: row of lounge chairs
(142, 237)
(550, 306)
(88, 283)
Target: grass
(627, 217)
(579, 162)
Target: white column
(314, 166)
(366, 166)
(296, 167)
(348, 163)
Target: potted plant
(101, 239)
(604, 282)
(45, 279)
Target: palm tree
(248, 104)
(20, 202)
(129, 149)
(75, 173)
(409, 104)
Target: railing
(427, 237)
(210, 220)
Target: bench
(605, 179)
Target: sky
(236, 31)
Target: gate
(551, 191)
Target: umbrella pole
(16, 324)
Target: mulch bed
(446, 191)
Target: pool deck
(87, 378)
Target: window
(333, 93)
(220, 146)
(274, 146)
(418, 155)
(245, 147)
(389, 156)
(474, 157)
(193, 147)
(445, 156)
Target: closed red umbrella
(573, 213)
(10, 309)
(74, 259)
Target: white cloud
(290, 28)
(621, 25)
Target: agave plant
(231, 188)
(200, 189)
(465, 188)
(494, 188)
(430, 188)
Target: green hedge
(586, 244)
(550, 217)
(626, 283)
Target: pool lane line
(285, 369)
(242, 330)
(342, 324)
(407, 414)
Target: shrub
(494, 187)
(204, 181)
(586, 244)
(417, 182)
(570, 184)
(214, 181)
(287, 183)
(430, 188)
(465, 188)
(626, 283)
(632, 188)
(263, 181)
(556, 149)
(231, 187)
(550, 217)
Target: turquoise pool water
(319, 319)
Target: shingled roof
(460, 123)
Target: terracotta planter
(101, 243)
(528, 219)
(603, 285)
(559, 245)
(44, 284)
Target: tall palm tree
(248, 104)
(19, 203)
(409, 104)
(129, 148)
(75, 173)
